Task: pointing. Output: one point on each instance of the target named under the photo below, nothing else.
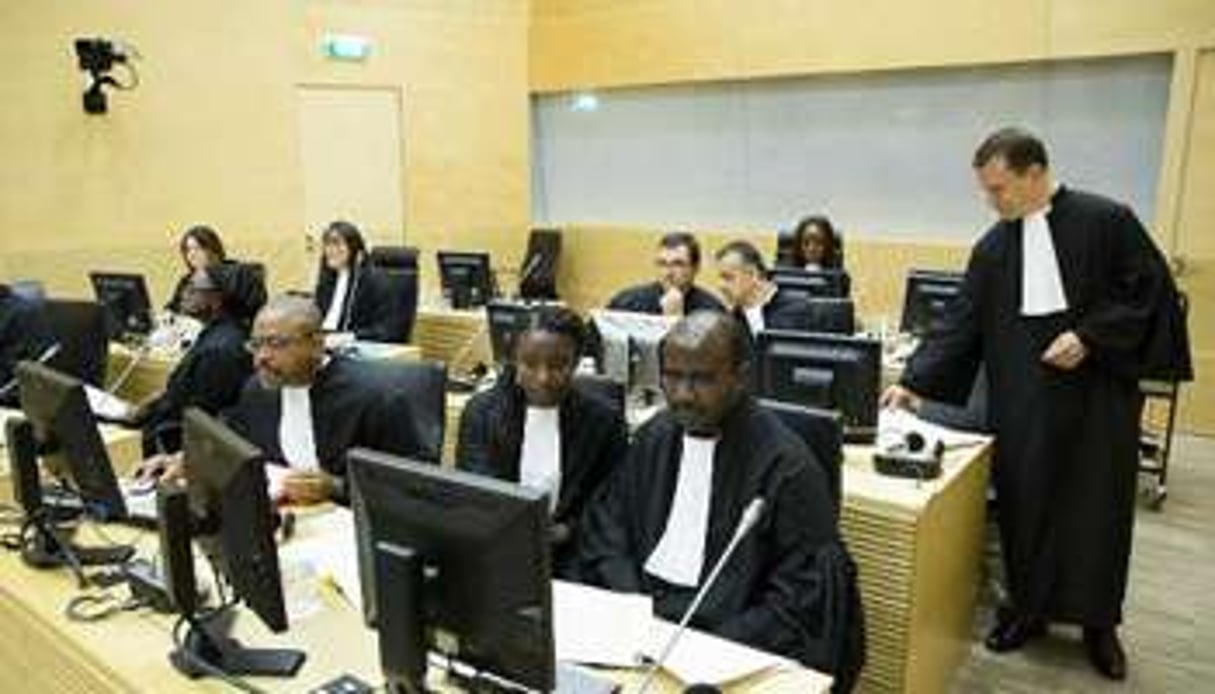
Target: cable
(137, 355)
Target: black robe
(647, 298)
(350, 408)
(24, 334)
(594, 441)
(784, 311)
(209, 376)
(369, 308)
(1066, 451)
(790, 586)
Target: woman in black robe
(351, 295)
(591, 434)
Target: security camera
(97, 55)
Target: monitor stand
(207, 648)
(44, 543)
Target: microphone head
(701, 688)
(915, 441)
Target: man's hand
(1066, 352)
(672, 301)
(308, 487)
(166, 467)
(900, 397)
(559, 533)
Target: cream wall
(211, 133)
(596, 44)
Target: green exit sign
(348, 47)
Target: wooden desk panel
(41, 650)
(458, 338)
(918, 549)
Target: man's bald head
(704, 371)
(294, 311)
(287, 343)
(713, 330)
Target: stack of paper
(601, 627)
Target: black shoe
(1013, 631)
(1105, 652)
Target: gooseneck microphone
(46, 355)
(750, 517)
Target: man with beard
(304, 408)
(667, 514)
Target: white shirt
(680, 555)
(1041, 283)
(540, 454)
(333, 316)
(295, 432)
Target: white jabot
(540, 454)
(295, 433)
(755, 318)
(1041, 284)
(680, 554)
(333, 315)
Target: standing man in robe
(1062, 301)
(668, 512)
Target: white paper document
(108, 405)
(602, 627)
(328, 551)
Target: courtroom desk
(150, 374)
(918, 548)
(123, 445)
(458, 338)
(42, 651)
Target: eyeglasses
(274, 343)
(694, 380)
(672, 264)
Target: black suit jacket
(209, 376)
(349, 409)
(647, 298)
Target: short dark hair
(207, 239)
(1019, 148)
(560, 321)
(746, 251)
(682, 239)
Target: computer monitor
(811, 283)
(125, 296)
(630, 343)
(835, 372)
(538, 272)
(82, 334)
(58, 409)
(453, 563)
(466, 278)
(224, 505)
(507, 319)
(928, 299)
(831, 315)
(785, 240)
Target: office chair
(398, 266)
(81, 329)
(425, 385)
(538, 273)
(823, 434)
